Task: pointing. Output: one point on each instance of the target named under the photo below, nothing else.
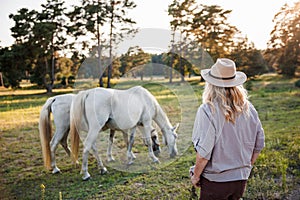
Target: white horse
(59, 106)
(121, 110)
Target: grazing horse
(59, 106)
(119, 110)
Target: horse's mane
(160, 116)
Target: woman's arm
(199, 167)
(254, 157)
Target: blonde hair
(232, 100)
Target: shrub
(249, 85)
(297, 83)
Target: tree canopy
(283, 47)
(46, 41)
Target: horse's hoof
(111, 160)
(130, 162)
(103, 171)
(86, 177)
(131, 156)
(56, 170)
(156, 161)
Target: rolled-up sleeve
(203, 136)
(259, 131)
(260, 138)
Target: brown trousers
(211, 190)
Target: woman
(227, 135)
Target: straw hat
(223, 74)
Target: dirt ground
(295, 195)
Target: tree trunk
(109, 70)
(1, 80)
(99, 65)
(47, 86)
(99, 50)
(180, 61)
(171, 63)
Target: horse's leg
(88, 143)
(147, 135)
(59, 134)
(64, 142)
(110, 158)
(103, 170)
(130, 155)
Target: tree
(24, 21)
(77, 59)
(182, 14)
(64, 67)
(134, 57)
(212, 30)
(1, 80)
(42, 33)
(89, 18)
(93, 16)
(247, 58)
(205, 33)
(116, 69)
(204, 30)
(11, 66)
(48, 31)
(126, 63)
(283, 48)
(16, 60)
(116, 11)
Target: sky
(253, 18)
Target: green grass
(275, 175)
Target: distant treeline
(49, 43)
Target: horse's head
(170, 136)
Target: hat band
(221, 78)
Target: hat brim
(239, 79)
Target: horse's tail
(45, 129)
(76, 114)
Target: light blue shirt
(228, 146)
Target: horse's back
(97, 105)
(61, 109)
(98, 97)
(124, 108)
(132, 106)
(63, 99)
(62, 103)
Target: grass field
(276, 174)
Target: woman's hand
(195, 181)
(199, 167)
